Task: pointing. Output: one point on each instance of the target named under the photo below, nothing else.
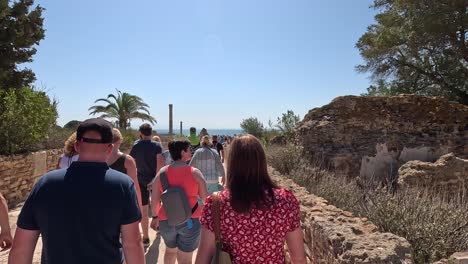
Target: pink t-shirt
(259, 236)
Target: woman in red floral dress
(256, 216)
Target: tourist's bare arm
(159, 162)
(5, 234)
(130, 165)
(206, 249)
(295, 243)
(132, 244)
(202, 191)
(23, 247)
(221, 171)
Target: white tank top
(65, 161)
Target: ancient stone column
(171, 121)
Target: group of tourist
(91, 210)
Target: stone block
(39, 160)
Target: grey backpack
(175, 202)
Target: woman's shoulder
(200, 149)
(197, 152)
(126, 157)
(223, 197)
(72, 157)
(214, 150)
(284, 195)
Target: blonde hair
(69, 146)
(157, 139)
(206, 141)
(116, 134)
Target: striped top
(209, 163)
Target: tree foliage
(123, 107)
(287, 123)
(20, 30)
(26, 116)
(253, 126)
(73, 125)
(419, 47)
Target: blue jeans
(181, 236)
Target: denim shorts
(181, 236)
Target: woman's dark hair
(249, 183)
(176, 146)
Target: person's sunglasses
(93, 141)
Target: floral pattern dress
(258, 236)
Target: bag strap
(216, 216)
(163, 177)
(195, 207)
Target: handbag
(220, 257)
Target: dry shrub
(435, 224)
(285, 159)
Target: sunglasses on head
(93, 141)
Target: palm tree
(123, 107)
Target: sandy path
(154, 254)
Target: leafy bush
(129, 138)
(26, 115)
(73, 125)
(287, 123)
(56, 137)
(435, 224)
(281, 133)
(253, 126)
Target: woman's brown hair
(69, 145)
(248, 180)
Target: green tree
(418, 47)
(20, 30)
(269, 133)
(26, 116)
(253, 126)
(287, 123)
(123, 107)
(72, 124)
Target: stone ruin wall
(448, 174)
(372, 137)
(413, 141)
(18, 173)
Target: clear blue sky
(217, 61)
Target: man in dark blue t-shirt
(81, 212)
(149, 160)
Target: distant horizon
(211, 131)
